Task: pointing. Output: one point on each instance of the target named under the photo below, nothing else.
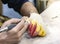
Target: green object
(1, 24)
(41, 5)
(3, 19)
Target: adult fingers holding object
(13, 36)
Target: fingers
(15, 33)
(18, 27)
(24, 18)
(5, 24)
(14, 20)
(20, 33)
(3, 35)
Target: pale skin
(28, 8)
(14, 35)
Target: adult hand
(13, 20)
(13, 36)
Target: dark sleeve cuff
(15, 4)
(4, 1)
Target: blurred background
(4, 10)
(9, 12)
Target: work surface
(51, 17)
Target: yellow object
(40, 30)
(33, 22)
(37, 25)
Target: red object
(32, 30)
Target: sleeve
(15, 4)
